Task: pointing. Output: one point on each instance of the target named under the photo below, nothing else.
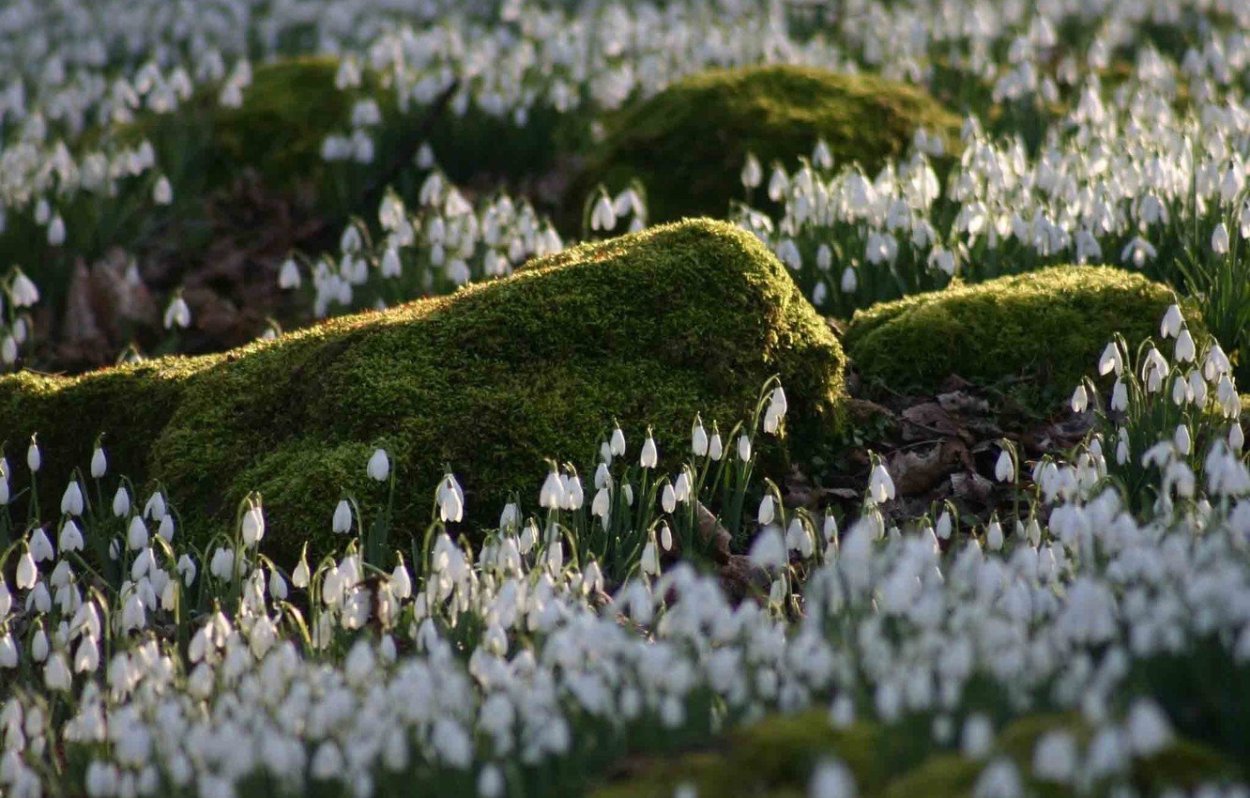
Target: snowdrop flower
(1236, 437)
(99, 464)
(253, 524)
(22, 291)
(451, 500)
(1119, 396)
(668, 498)
(850, 280)
(39, 646)
(698, 438)
(379, 468)
(880, 484)
(1219, 239)
(165, 529)
(71, 537)
(56, 231)
(603, 216)
(186, 569)
(994, 536)
(1000, 779)
(1185, 350)
(56, 674)
(155, 506)
(71, 499)
(944, 525)
(650, 562)
(1148, 729)
(978, 736)
(649, 456)
(617, 443)
(341, 523)
(288, 275)
(768, 550)
(300, 577)
(1172, 322)
(121, 502)
(1055, 757)
(26, 571)
(1080, 399)
(752, 172)
(33, 457)
(766, 511)
(1004, 468)
(715, 447)
(1111, 360)
(831, 779)
(41, 546)
(551, 496)
(744, 448)
(177, 314)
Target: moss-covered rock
(1044, 328)
(646, 328)
(688, 143)
(775, 757)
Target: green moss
(772, 758)
(648, 328)
(1045, 328)
(688, 143)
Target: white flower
(186, 568)
(1185, 350)
(177, 314)
(1148, 729)
(744, 448)
(1004, 468)
(603, 216)
(70, 538)
(617, 444)
(850, 281)
(698, 438)
(33, 458)
(253, 525)
(288, 275)
(766, 512)
(668, 498)
(300, 576)
(166, 528)
(768, 550)
(1219, 239)
(379, 467)
(1119, 396)
(752, 173)
(342, 520)
(56, 674)
(71, 499)
(1080, 399)
(994, 536)
(22, 291)
(551, 495)
(1172, 321)
(831, 779)
(155, 506)
(1055, 757)
(715, 447)
(978, 736)
(99, 463)
(880, 484)
(666, 537)
(27, 573)
(121, 502)
(1111, 360)
(649, 456)
(650, 562)
(450, 500)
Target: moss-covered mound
(775, 758)
(646, 328)
(688, 143)
(1045, 329)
